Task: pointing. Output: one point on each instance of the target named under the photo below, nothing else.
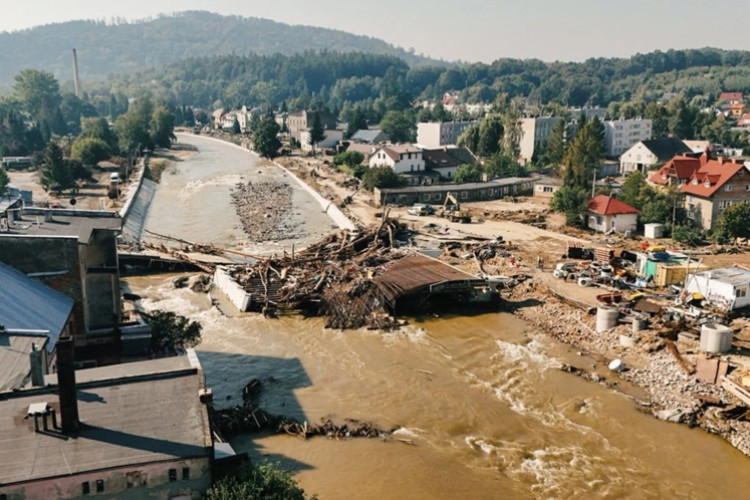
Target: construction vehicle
(451, 210)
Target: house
(218, 116)
(303, 120)
(366, 149)
(737, 109)
(606, 213)
(331, 138)
(138, 430)
(726, 288)
(369, 136)
(446, 160)
(716, 185)
(650, 153)
(546, 187)
(433, 135)
(401, 158)
(744, 121)
(32, 318)
(730, 97)
(677, 171)
(534, 131)
(471, 191)
(620, 135)
(698, 146)
(75, 253)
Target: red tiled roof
(730, 96)
(607, 205)
(711, 177)
(678, 168)
(744, 120)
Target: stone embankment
(265, 210)
(669, 392)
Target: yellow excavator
(451, 210)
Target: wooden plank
(739, 392)
(686, 367)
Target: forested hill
(108, 48)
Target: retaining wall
(239, 297)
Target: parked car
(421, 209)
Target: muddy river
(481, 409)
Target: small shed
(653, 230)
(725, 288)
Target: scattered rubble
(264, 208)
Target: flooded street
(481, 408)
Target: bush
(382, 177)
(264, 482)
(171, 332)
(687, 235)
(349, 158)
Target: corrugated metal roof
(26, 304)
(413, 272)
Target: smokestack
(37, 374)
(76, 82)
(66, 382)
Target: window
(85, 488)
(547, 189)
(99, 485)
(172, 475)
(728, 187)
(740, 292)
(185, 473)
(598, 220)
(464, 195)
(747, 187)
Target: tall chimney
(66, 382)
(76, 82)
(37, 374)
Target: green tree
(38, 92)
(265, 139)
(4, 182)
(733, 222)
(468, 173)
(162, 127)
(357, 121)
(584, 155)
(263, 482)
(491, 134)
(398, 127)
(132, 132)
(349, 158)
(317, 133)
(554, 149)
(98, 128)
(632, 188)
(382, 177)
(501, 165)
(572, 201)
(236, 126)
(171, 332)
(89, 150)
(56, 174)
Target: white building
(621, 135)
(724, 288)
(534, 131)
(402, 158)
(606, 213)
(330, 140)
(651, 153)
(433, 135)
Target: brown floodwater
(481, 409)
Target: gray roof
(14, 359)
(152, 415)
(369, 135)
(70, 223)
(26, 304)
(729, 275)
(441, 188)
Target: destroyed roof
(28, 306)
(609, 205)
(411, 273)
(729, 275)
(131, 414)
(65, 223)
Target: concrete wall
(234, 292)
(147, 481)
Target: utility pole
(593, 183)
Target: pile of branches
(249, 417)
(333, 277)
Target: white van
(114, 178)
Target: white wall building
(436, 134)
(332, 137)
(534, 131)
(606, 213)
(725, 288)
(402, 158)
(621, 135)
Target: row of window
(133, 480)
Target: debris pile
(249, 417)
(264, 208)
(333, 277)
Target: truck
(451, 210)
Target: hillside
(108, 48)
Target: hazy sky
(471, 30)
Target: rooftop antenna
(76, 82)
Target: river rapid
(481, 409)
